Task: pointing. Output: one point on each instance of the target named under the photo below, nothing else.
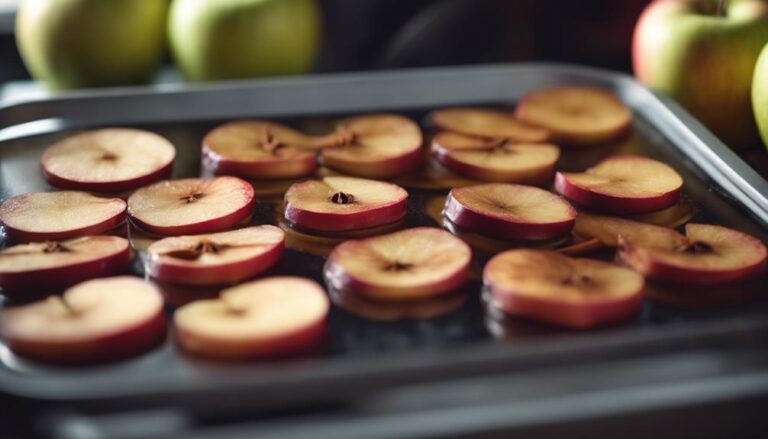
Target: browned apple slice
(488, 124)
(258, 150)
(276, 316)
(344, 203)
(374, 146)
(707, 255)
(557, 289)
(192, 205)
(608, 228)
(496, 160)
(576, 115)
(95, 321)
(217, 258)
(409, 264)
(54, 216)
(623, 184)
(108, 160)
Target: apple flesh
(623, 184)
(217, 258)
(56, 216)
(272, 317)
(607, 229)
(373, 146)
(707, 255)
(95, 321)
(405, 265)
(557, 289)
(108, 160)
(509, 211)
(486, 124)
(55, 265)
(258, 150)
(576, 115)
(344, 203)
(191, 206)
(498, 160)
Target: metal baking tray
(366, 356)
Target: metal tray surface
(365, 355)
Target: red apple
(108, 160)
(487, 124)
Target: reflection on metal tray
(373, 348)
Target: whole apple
(760, 94)
(703, 53)
(226, 39)
(91, 43)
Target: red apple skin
(106, 226)
(613, 204)
(108, 187)
(219, 274)
(124, 344)
(336, 222)
(59, 278)
(466, 218)
(262, 170)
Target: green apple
(703, 54)
(91, 43)
(227, 39)
(760, 94)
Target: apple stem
(721, 8)
(67, 306)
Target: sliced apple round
(509, 211)
(192, 205)
(344, 203)
(217, 258)
(623, 184)
(488, 124)
(607, 229)
(259, 150)
(557, 289)
(496, 160)
(271, 317)
(108, 160)
(707, 255)
(409, 264)
(55, 265)
(55, 216)
(374, 146)
(576, 115)
(95, 321)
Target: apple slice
(608, 228)
(344, 203)
(576, 115)
(510, 211)
(258, 149)
(95, 321)
(410, 264)
(488, 124)
(192, 205)
(108, 160)
(622, 184)
(707, 255)
(374, 146)
(215, 259)
(496, 160)
(55, 265)
(429, 308)
(557, 289)
(276, 316)
(55, 216)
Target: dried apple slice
(576, 115)
(55, 216)
(409, 264)
(259, 150)
(496, 160)
(488, 124)
(344, 203)
(192, 205)
(557, 289)
(108, 160)
(608, 228)
(623, 184)
(374, 146)
(217, 258)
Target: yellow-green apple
(91, 43)
(703, 54)
(760, 94)
(214, 40)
